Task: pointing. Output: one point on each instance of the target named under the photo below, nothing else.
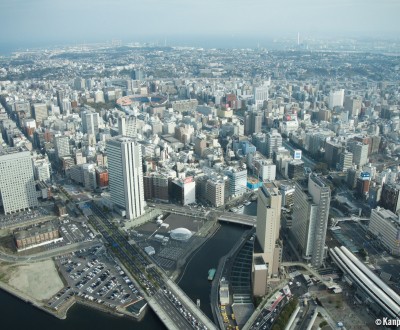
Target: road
(48, 254)
(150, 279)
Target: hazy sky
(57, 21)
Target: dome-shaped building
(181, 234)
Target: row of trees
(285, 315)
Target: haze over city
(200, 165)
(209, 23)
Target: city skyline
(209, 24)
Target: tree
(322, 324)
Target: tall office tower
(237, 180)
(122, 126)
(274, 141)
(336, 98)
(61, 145)
(17, 184)
(345, 161)
(260, 94)
(40, 112)
(390, 198)
(256, 122)
(200, 145)
(312, 199)
(99, 97)
(352, 104)
(252, 122)
(267, 247)
(360, 153)
(131, 126)
(41, 169)
(90, 123)
(139, 74)
(268, 224)
(125, 175)
(215, 191)
(79, 83)
(66, 107)
(60, 97)
(332, 151)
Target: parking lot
(95, 276)
(23, 216)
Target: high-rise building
(61, 145)
(126, 175)
(360, 153)
(390, 198)
(17, 183)
(79, 83)
(215, 192)
(252, 122)
(200, 145)
(60, 97)
(332, 151)
(269, 206)
(353, 105)
(237, 180)
(66, 107)
(40, 112)
(260, 94)
(90, 123)
(345, 161)
(310, 218)
(267, 248)
(385, 225)
(41, 169)
(336, 98)
(274, 141)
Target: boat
(240, 207)
(247, 203)
(211, 274)
(233, 209)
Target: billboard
(297, 154)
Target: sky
(28, 22)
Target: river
(18, 314)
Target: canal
(18, 314)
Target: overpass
(336, 220)
(242, 219)
(309, 269)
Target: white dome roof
(181, 234)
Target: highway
(174, 313)
(49, 254)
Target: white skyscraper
(268, 224)
(336, 98)
(90, 123)
(260, 95)
(126, 175)
(17, 184)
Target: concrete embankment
(61, 313)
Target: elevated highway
(242, 219)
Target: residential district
(119, 163)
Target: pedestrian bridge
(242, 219)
